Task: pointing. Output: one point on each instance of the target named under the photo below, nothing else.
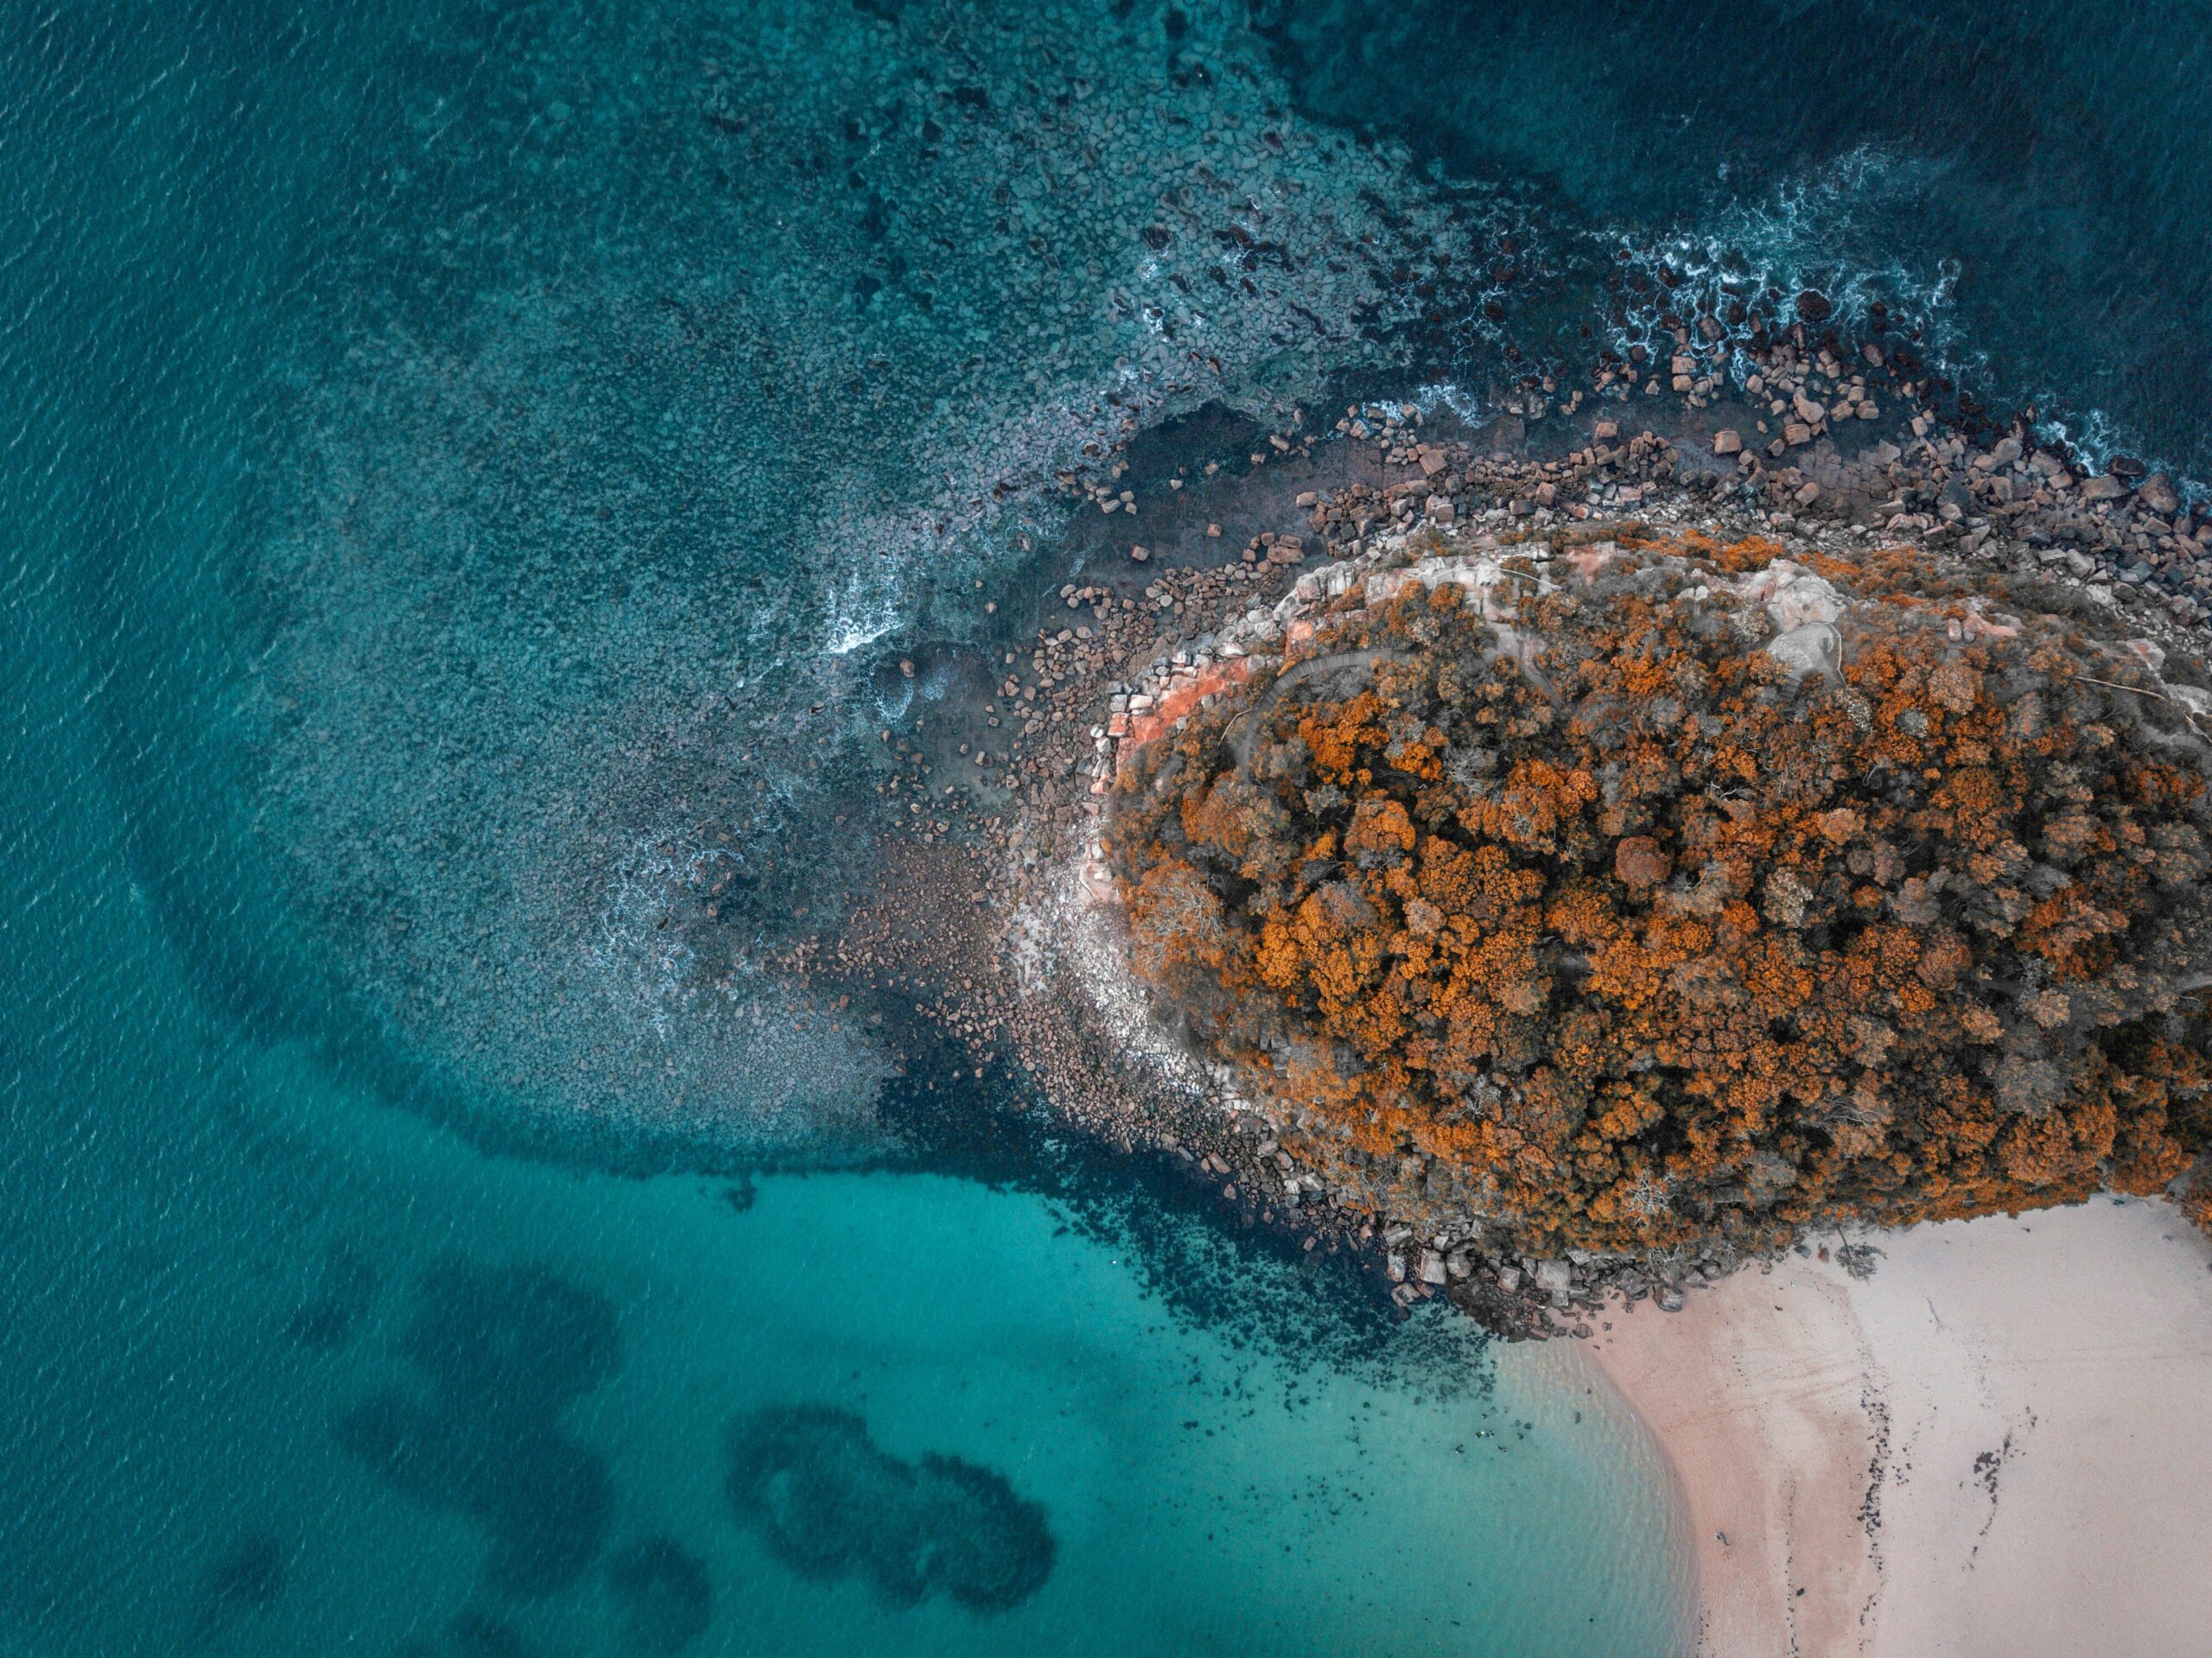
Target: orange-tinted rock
(1186, 696)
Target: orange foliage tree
(1643, 941)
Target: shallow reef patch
(666, 1598)
(505, 1351)
(830, 1503)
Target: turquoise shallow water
(219, 1257)
(465, 466)
(402, 569)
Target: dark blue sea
(462, 464)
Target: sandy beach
(1999, 1444)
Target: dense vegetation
(1640, 939)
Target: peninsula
(1715, 873)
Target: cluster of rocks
(1808, 435)
(1792, 419)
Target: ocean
(467, 467)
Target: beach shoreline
(1999, 1442)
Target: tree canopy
(1616, 929)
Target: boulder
(1794, 596)
(1815, 648)
(1728, 443)
(1813, 307)
(2198, 702)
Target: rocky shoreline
(1784, 435)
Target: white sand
(2000, 1445)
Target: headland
(1896, 927)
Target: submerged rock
(667, 1600)
(505, 1351)
(827, 1503)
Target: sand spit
(1998, 1443)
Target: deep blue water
(462, 462)
(2023, 181)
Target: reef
(347, 1292)
(1620, 892)
(829, 1504)
(247, 1576)
(667, 1599)
(505, 1351)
